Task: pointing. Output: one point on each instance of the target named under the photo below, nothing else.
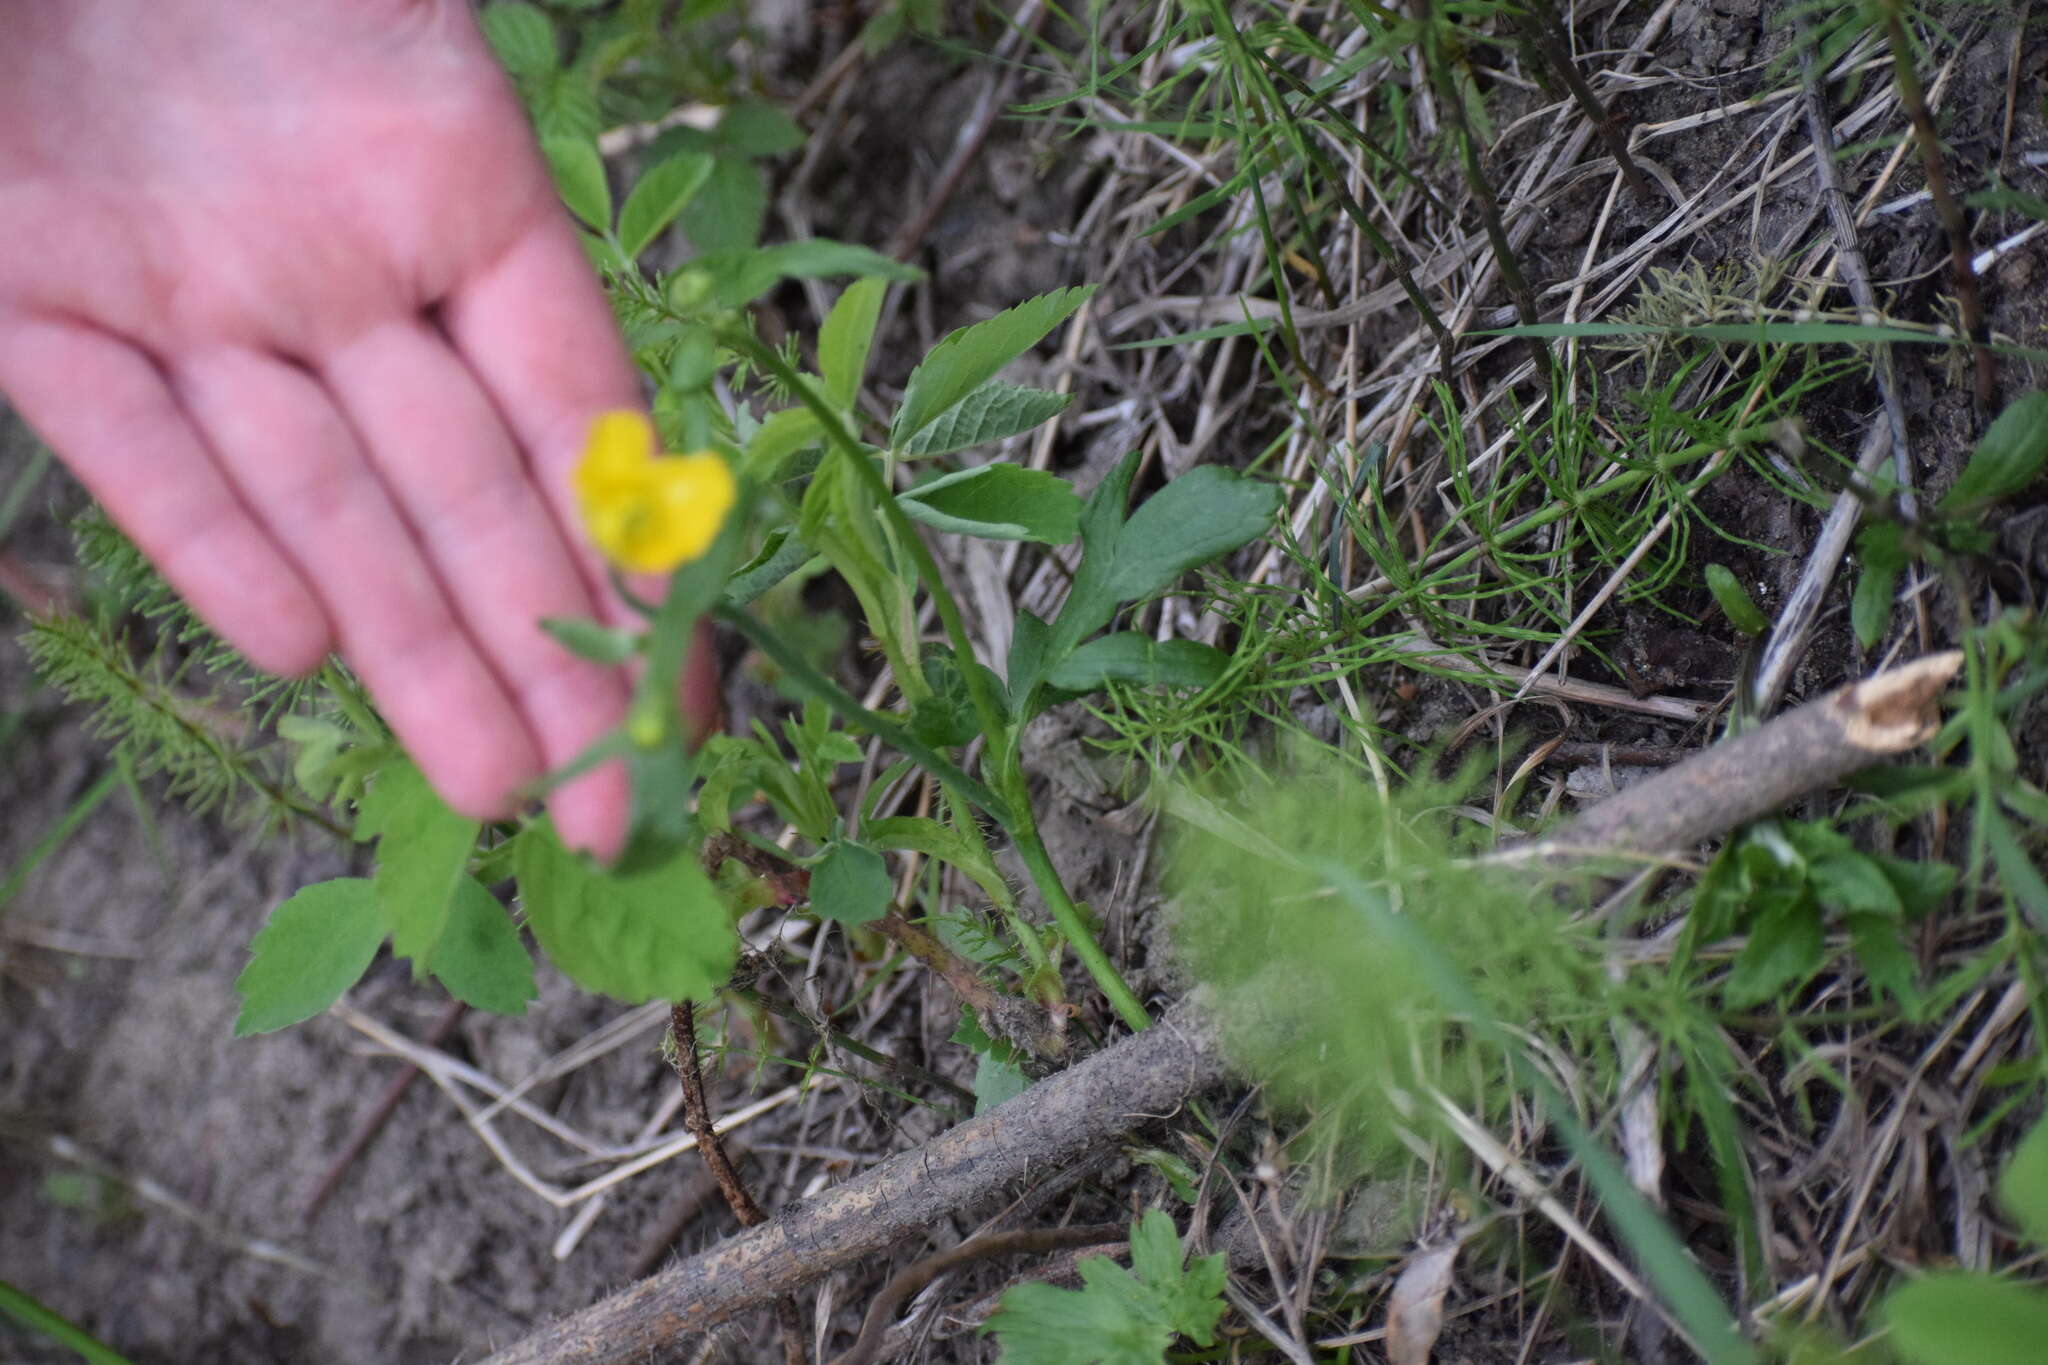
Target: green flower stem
(986, 708)
(1072, 920)
(1015, 816)
(815, 684)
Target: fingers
(536, 331)
(103, 407)
(301, 470)
(438, 443)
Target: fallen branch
(1096, 1101)
(1149, 1074)
(1803, 750)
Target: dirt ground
(154, 1171)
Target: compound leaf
(1119, 1317)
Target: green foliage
(36, 1316)
(851, 884)
(1120, 1316)
(1780, 881)
(656, 199)
(997, 502)
(992, 412)
(479, 957)
(970, 357)
(422, 851)
(315, 946)
(2009, 457)
(1735, 601)
(662, 934)
(580, 176)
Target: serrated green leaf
(579, 176)
(1952, 1317)
(779, 437)
(1735, 601)
(1139, 660)
(423, 849)
(1119, 1316)
(1204, 513)
(662, 934)
(2011, 455)
(991, 413)
(997, 1079)
(480, 958)
(658, 197)
(1870, 606)
(998, 502)
(2023, 1188)
(2023, 881)
(851, 884)
(589, 640)
(1884, 958)
(966, 359)
(1855, 885)
(845, 338)
(727, 211)
(1785, 946)
(312, 949)
(521, 35)
(758, 130)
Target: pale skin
(288, 288)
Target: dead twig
(1945, 206)
(1077, 1111)
(1802, 751)
(697, 1118)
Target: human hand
(288, 288)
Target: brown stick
(1093, 1102)
(1803, 750)
(1945, 206)
(1151, 1073)
(697, 1118)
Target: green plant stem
(986, 708)
(1014, 815)
(1073, 922)
(815, 684)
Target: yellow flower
(649, 512)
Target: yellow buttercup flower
(649, 512)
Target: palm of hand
(288, 288)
